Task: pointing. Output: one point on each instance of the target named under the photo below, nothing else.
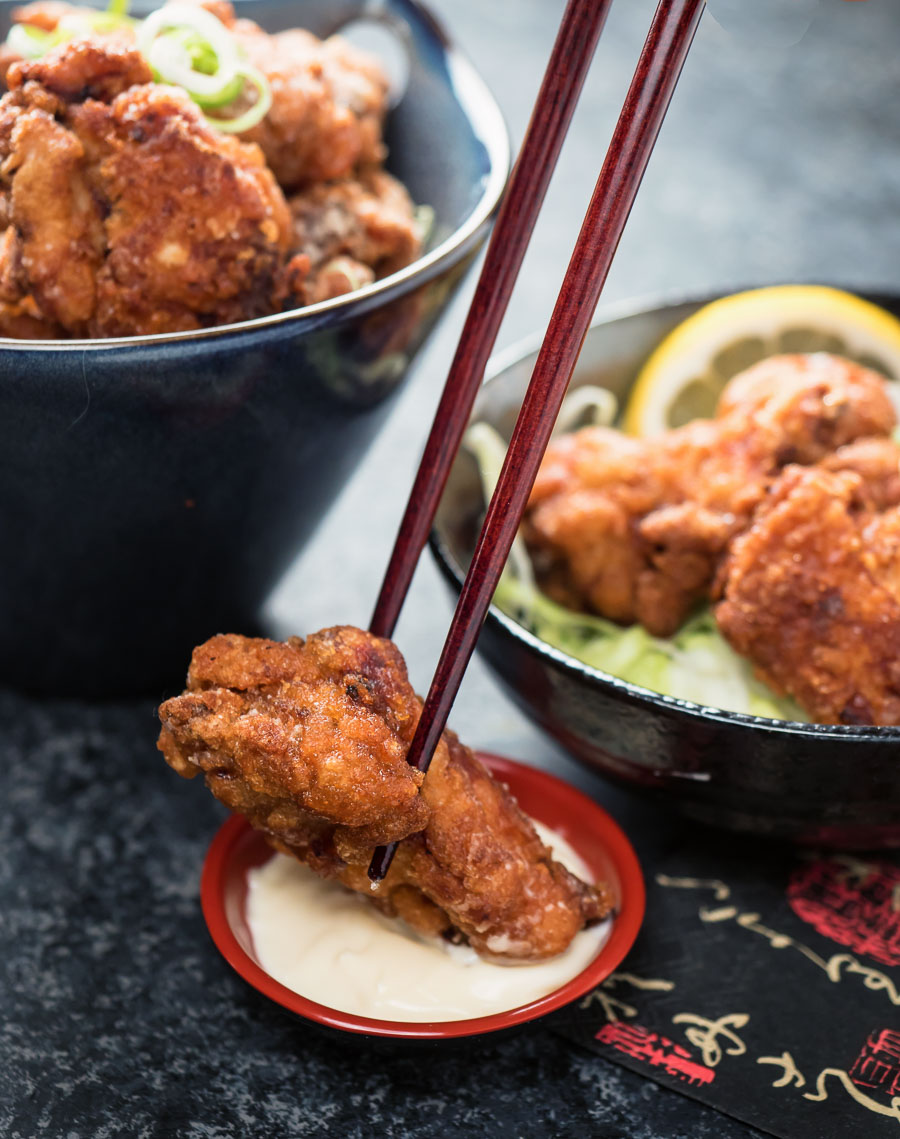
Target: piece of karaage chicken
(328, 98)
(350, 233)
(46, 16)
(308, 740)
(634, 529)
(811, 591)
(328, 103)
(121, 211)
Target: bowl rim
(624, 930)
(489, 126)
(513, 355)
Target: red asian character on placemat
(854, 903)
(656, 1050)
(878, 1065)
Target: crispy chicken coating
(350, 233)
(308, 740)
(634, 529)
(45, 15)
(811, 592)
(328, 98)
(877, 462)
(328, 104)
(122, 212)
(128, 214)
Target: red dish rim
(593, 833)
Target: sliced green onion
(254, 113)
(226, 96)
(190, 48)
(177, 17)
(185, 46)
(30, 42)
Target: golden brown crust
(877, 462)
(634, 529)
(328, 98)
(350, 233)
(810, 595)
(125, 213)
(328, 105)
(282, 736)
(122, 212)
(309, 741)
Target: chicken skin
(121, 211)
(308, 740)
(811, 592)
(634, 529)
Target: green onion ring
(170, 59)
(30, 42)
(253, 114)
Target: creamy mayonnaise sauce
(335, 948)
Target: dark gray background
(778, 162)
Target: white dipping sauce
(333, 947)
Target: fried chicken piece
(325, 123)
(634, 529)
(877, 462)
(350, 233)
(329, 100)
(45, 15)
(811, 594)
(123, 212)
(308, 740)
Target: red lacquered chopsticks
(646, 103)
(569, 61)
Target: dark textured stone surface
(118, 1016)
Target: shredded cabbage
(696, 664)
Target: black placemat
(765, 983)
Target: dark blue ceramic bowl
(153, 489)
(811, 783)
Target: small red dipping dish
(237, 848)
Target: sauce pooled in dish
(326, 944)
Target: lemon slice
(683, 378)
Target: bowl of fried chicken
(709, 612)
(225, 234)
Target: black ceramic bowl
(153, 489)
(835, 786)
